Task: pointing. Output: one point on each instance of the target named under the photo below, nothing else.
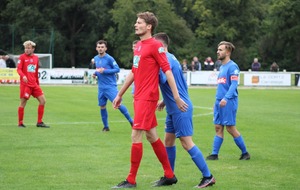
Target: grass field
(75, 154)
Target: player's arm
(37, 72)
(20, 70)
(114, 68)
(126, 85)
(171, 81)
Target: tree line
(266, 29)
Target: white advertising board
(267, 79)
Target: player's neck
(146, 36)
(226, 60)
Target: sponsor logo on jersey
(161, 50)
(221, 80)
(136, 60)
(31, 68)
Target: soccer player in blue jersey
(226, 103)
(106, 70)
(179, 124)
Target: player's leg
(170, 141)
(21, 110)
(136, 155)
(230, 116)
(111, 95)
(102, 100)
(25, 94)
(39, 95)
(239, 141)
(219, 128)
(135, 160)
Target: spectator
(92, 64)
(274, 67)
(195, 65)
(10, 63)
(184, 65)
(2, 62)
(208, 64)
(255, 65)
(218, 64)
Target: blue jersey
(108, 78)
(228, 81)
(181, 84)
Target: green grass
(75, 154)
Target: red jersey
(28, 66)
(149, 57)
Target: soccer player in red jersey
(28, 65)
(149, 57)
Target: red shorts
(27, 91)
(144, 115)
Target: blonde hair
(228, 45)
(29, 43)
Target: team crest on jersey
(31, 68)
(136, 60)
(161, 49)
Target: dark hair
(102, 42)
(228, 45)
(135, 42)
(162, 37)
(149, 18)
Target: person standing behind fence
(106, 70)
(226, 103)
(28, 66)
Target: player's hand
(181, 104)
(25, 79)
(100, 70)
(117, 102)
(160, 105)
(223, 103)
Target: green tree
(231, 20)
(121, 34)
(281, 40)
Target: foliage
(265, 29)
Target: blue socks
(217, 145)
(104, 116)
(125, 112)
(171, 151)
(198, 159)
(239, 141)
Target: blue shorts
(180, 124)
(107, 94)
(225, 116)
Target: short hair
(102, 42)
(162, 37)
(135, 42)
(29, 43)
(228, 45)
(149, 18)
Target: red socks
(40, 113)
(162, 156)
(136, 157)
(21, 115)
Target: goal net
(45, 60)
